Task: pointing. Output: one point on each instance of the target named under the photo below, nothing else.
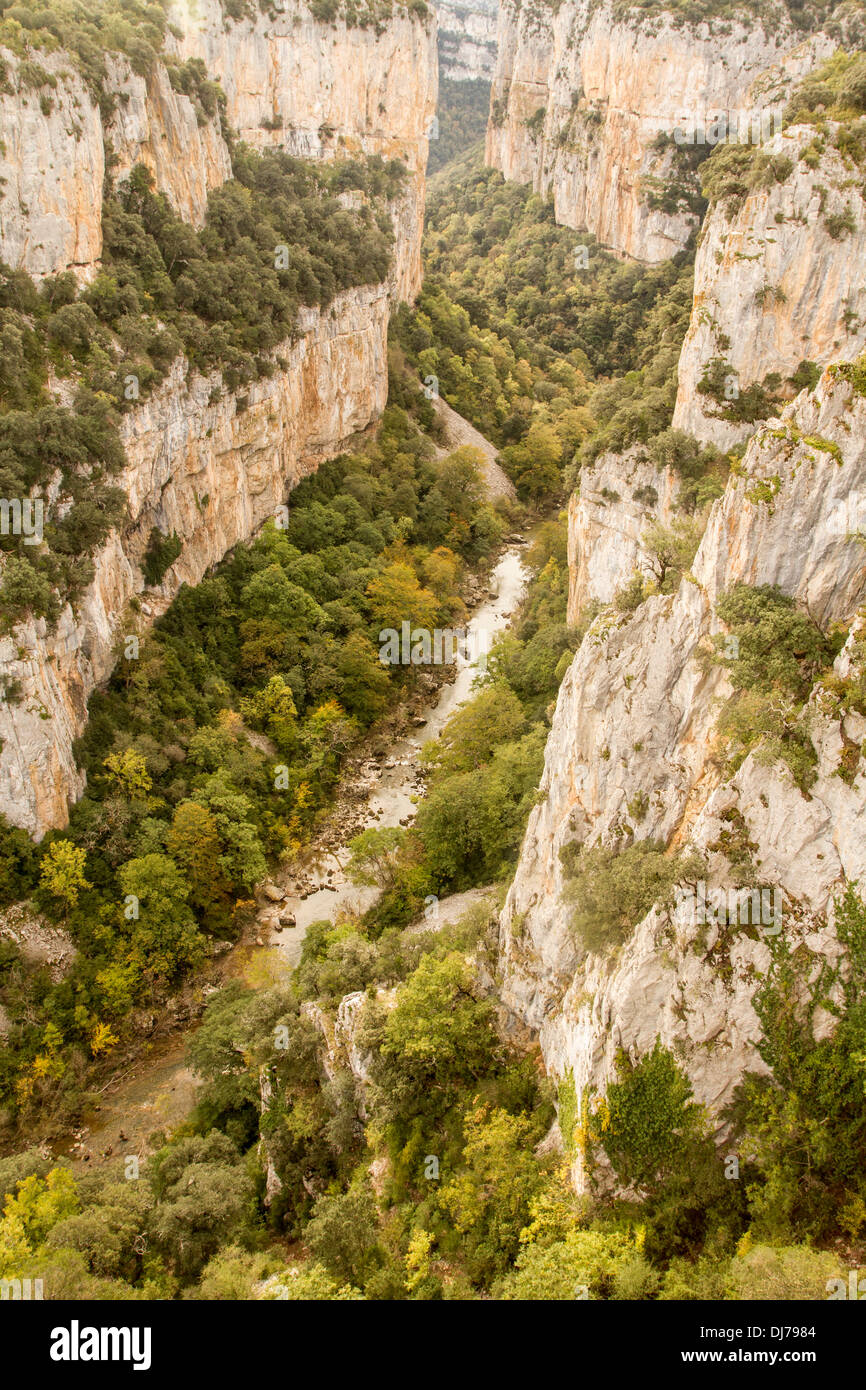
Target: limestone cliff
(201, 463)
(212, 473)
(53, 158)
(778, 281)
(467, 39)
(606, 517)
(632, 748)
(582, 93)
(314, 88)
(326, 90)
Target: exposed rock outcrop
(53, 158)
(324, 90)
(581, 94)
(778, 281)
(200, 463)
(213, 472)
(314, 88)
(607, 516)
(632, 746)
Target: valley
(332, 335)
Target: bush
(612, 889)
(779, 647)
(161, 553)
(791, 1273)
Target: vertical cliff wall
(212, 473)
(581, 94)
(53, 157)
(632, 751)
(606, 518)
(778, 281)
(313, 88)
(326, 90)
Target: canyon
(584, 103)
(209, 470)
(633, 751)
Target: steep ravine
(157, 1092)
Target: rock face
(156, 126)
(467, 39)
(777, 282)
(316, 89)
(211, 472)
(580, 96)
(52, 164)
(326, 90)
(632, 745)
(606, 518)
(52, 160)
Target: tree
(590, 1260)
(271, 595)
(460, 480)
(470, 736)
(204, 1200)
(396, 597)
(274, 707)
(778, 645)
(62, 871)
(194, 842)
(613, 888)
(671, 549)
(29, 1215)
(376, 855)
(242, 859)
(127, 773)
(439, 1035)
(165, 939)
(489, 1199)
(363, 680)
(343, 1234)
(652, 1121)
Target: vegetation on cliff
(277, 238)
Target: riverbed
(159, 1090)
(392, 800)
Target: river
(159, 1090)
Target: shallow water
(391, 800)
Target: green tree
(164, 939)
(343, 1234)
(397, 597)
(489, 1199)
(62, 871)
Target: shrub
(614, 888)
